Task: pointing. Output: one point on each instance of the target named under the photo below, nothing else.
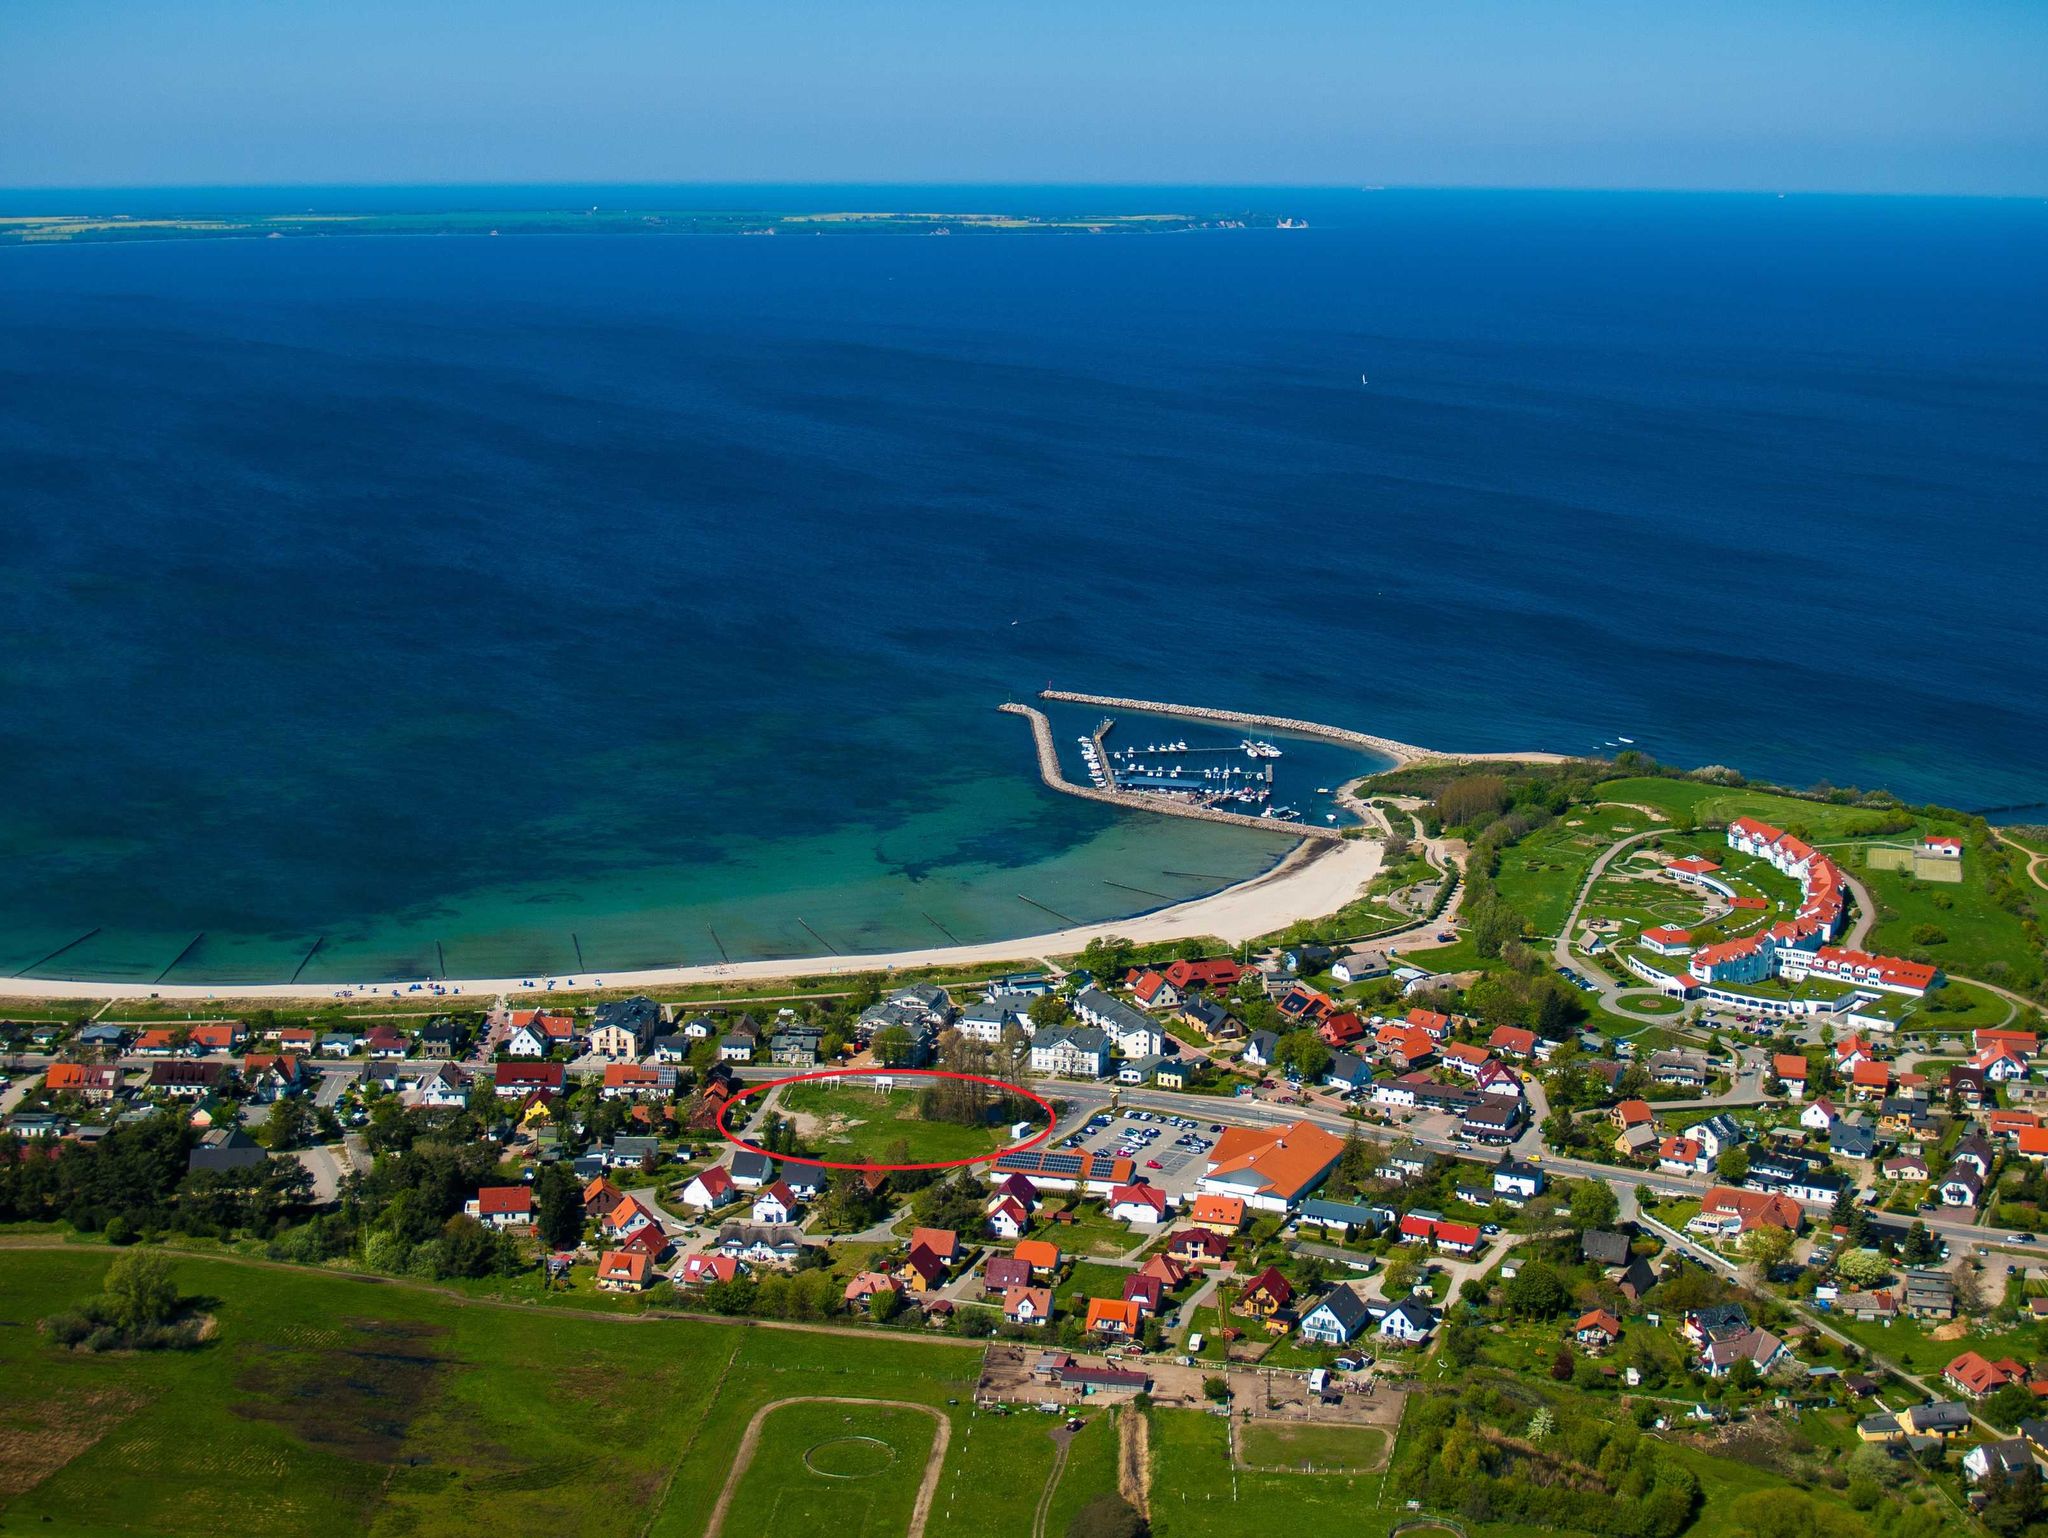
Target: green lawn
(1979, 932)
(1088, 1280)
(332, 1405)
(1540, 875)
(857, 1122)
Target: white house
(1130, 1031)
(1071, 1051)
(1409, 1320)
(1139, 1203)
(708, 1189)
(775, 1204)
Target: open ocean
(463, 602)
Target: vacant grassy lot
(331, 1405)
(1278, 1444)
(845, 1121)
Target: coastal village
(1313, 1184)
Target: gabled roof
(1282, 1161)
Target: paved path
(2035, 861)
(751, 1439)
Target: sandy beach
(1312, 879)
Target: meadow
(327, 1404)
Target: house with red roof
(1145, 1291)
(1198, 1246)
(1791, 1070)
(1027, 1305)
(90, 1082)
(1596, 1327)
(1219, 973)
(1465, 1058)
(1740, 1211)
(1007, 1219)
(624, 1271)
(513, 1081)
(1138, 1202)
(224, 1036)
(775, 1203)
(1512, 1041)
(1436, 1026)
(1974, 1377)
(1266, 1296)
(1153, 991)
(698, 1269)
(1407, 1047)
(1341, 1030)
(1681, 1156)
(501, 1206)
(1118, 1318)
(1870, 1081)
(1427, 1228)
(709, 1188)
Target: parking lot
(1169, 1151)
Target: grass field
(1197, 1493)
(849, 1470)
(331, 1405)
(1325, 1448)
(856, 1122)
(1693, 799)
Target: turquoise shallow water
(470, 601)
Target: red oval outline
(1051, 1117)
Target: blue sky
(1876, 95)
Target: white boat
(1629, 740)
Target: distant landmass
(75, 228)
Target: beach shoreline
(1310, 880)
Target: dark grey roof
(1345, 1306)
(1605, 1246)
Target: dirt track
(751, 1439)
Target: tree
(1047, 1010)
(1593, 1204)
(1862, 1268)
(2010, 1405)
(1733, 1165)
(291, 1124)
(1561, 1364)
(1306, 1053)
(1107, 1516)
(559, 1204)
(885, 1305)
(1536, 1292)
(139, 1293)
(1216, 1390)
(1766, 1247)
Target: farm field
(843, 1121)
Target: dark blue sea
(563, 603)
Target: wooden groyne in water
(1055, 777)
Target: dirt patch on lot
(40, 1436)
(357, 1392)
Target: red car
(1154, 1164)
